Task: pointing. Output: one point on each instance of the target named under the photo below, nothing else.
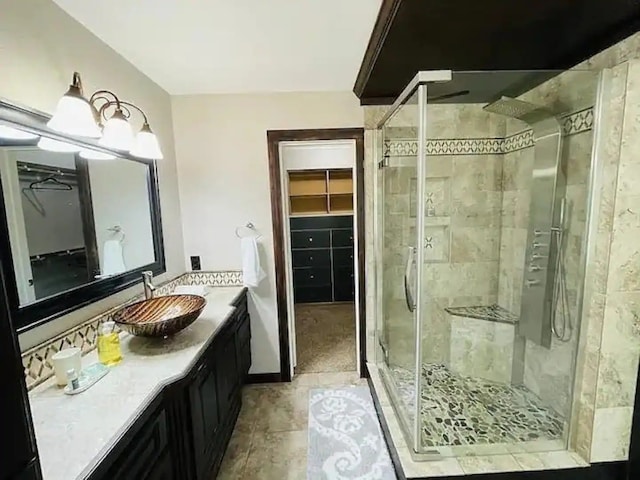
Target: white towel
(252, 272)
(112, 258)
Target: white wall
(120, 197)
(40, 47)
(221, 142)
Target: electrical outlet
(195, 263)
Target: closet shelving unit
(320, 192)
(321, 224)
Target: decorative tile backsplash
(576, 122)
(228, 278)
(37, 360)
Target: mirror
(74, 230)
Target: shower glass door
(397, 222)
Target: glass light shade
(11, 133)
(89, 154)
(146, 145)
(117, 133)
(74, 116)
(56, 146)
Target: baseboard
(596, 471)
(263, 378)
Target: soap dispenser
(109, 352)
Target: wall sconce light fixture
(75, 115)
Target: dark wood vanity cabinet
(214, 398)
(184, 433)
(18, 459)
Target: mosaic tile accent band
(459, 410)
(491, 313)
(225, 278)
(576, 122)
(37, 360)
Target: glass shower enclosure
(481, 196)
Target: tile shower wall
(468, 273)
(548, 372)
(462, 235)
(610, 346)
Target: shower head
(519, 109)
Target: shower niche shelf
(320, 192)
(437, 197)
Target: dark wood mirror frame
(42, 311)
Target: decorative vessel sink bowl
(160, 316)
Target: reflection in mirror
(73, 221)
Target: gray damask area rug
(345, 439)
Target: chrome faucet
(147, 283)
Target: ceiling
(472, 35)
(235, 46)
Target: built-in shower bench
(482, 341)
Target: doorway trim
(274, 137)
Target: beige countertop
(75, 432)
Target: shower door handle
(408, 294)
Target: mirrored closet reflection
(321, 224)
(66, 227)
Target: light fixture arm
(129, 104)
(110, 99)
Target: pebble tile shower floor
(460, 410)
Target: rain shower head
(519, 109)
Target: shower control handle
(537, 256)
(408, 295)
(535, 268)
(538, 245)
(531, 283)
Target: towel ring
(117, 229)
(252, 231)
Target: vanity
(80, 220)
(166, 412)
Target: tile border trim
(572, 123)
(36, 361)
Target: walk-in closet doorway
(317, 204)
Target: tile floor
(269, 441)
(516, 458)
(460, 410)
(326, 337)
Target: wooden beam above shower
(468, 35)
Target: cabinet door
(342, 238)
(243, 347)
(311, 257)
(205, 418)
(32, 472)
(311, 277)
(310, 239)
(15, 415)
(141, 454)
(227, 367)
(312, 294)
(342, 257)
(163, 469)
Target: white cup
(65, 360)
